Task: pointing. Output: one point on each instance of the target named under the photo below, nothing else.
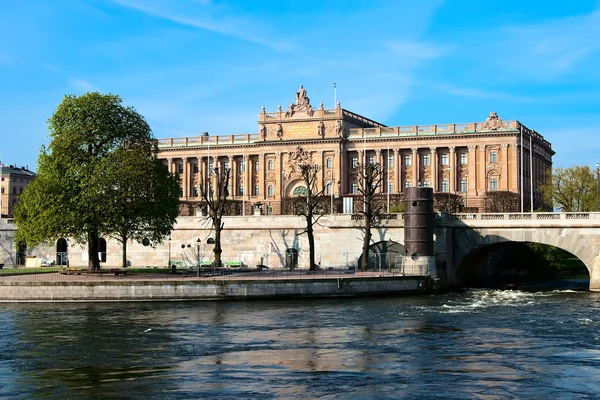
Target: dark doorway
(291, 259)
(62, 255)
(21, 253)
(102, 250)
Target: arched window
(300, 190)
(271, 165)
(270, 190)
(256, 190)
(62, 255)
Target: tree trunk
(311, 242)
(93, 261)
(365, 251)
(124, 251)
(217, 250)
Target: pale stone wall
(338, 242)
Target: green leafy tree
(143, 196)
(72, 193)
(572, 189)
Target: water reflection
(481, 344)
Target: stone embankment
(56, 287)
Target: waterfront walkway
(191, 276)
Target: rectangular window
(180, 192)
(256, 190)
(445, 159)
(195, 192)
(242, 166)
(493, 157)
(463, 158)
(329, 163)
(426, 160)
(355, 188)
(445, 186)
(408, 160)
(328, 188)
(390, 161)
(407, 184)
(211, 167)
(493, 184)
(195, 168)
(372, 160)
(390, 187)
(354, 162)
(463, 185)
(241, 189)
(226, 165)
(426, 184)
(180, 168)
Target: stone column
(481, 172)
(434, 168)
(398, 171)
(378, 159)
(262, 163)
(504, 184)
(247, 176)
(341, 167)
(185, 181)
(472, 178)
(453, 172)
(170, 165)
(415, 168)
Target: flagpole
(334, 94)
(388, 177)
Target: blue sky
(205, 65)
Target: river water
(478, 344)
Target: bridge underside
(580, 243)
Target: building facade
(13, 180)
(470, 160)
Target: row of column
(473, 175)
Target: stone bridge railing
(520, 216)
(562, 219)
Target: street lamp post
(169, 260)
(198, 255)
(597, 186)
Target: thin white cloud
(203, 15)
(553, 47)
(476, 93)
(81, 85)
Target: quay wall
(37, 291)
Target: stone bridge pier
(577, 233)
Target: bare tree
(214, 190)
(502, 201)
(370, 178)
(311, 205)
(447, 202)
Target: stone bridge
(577, 233)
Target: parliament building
(469, 160)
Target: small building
(13, 180)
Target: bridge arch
(578, 242)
